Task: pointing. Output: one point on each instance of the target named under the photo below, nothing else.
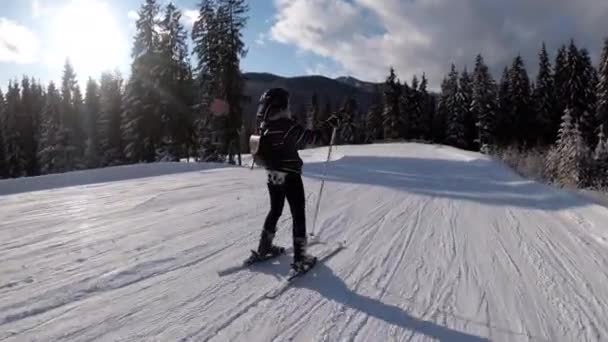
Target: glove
(333, 121)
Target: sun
(88, 34)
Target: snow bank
(94, 176)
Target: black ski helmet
(272, 101)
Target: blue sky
(361, 38)
(23, 21)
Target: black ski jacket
(285, 137)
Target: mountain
(367, 86)
(302, 89)
(442, 245)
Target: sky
(360, 38)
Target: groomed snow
(442, 245)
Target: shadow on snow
(482, 181)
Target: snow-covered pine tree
(521, 112)
(3, 163)
(109, 129)
(51, 154)
(484, 105)
(602, 91)
(545, 100)
(455, 106)
(600, 162)
(568, 162)
(15, 155)
(470, 131)
(92, 109)
(576, 90)
(141, 120)
(392, 106)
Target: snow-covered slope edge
(96, 176)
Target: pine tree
(545, 100)
(602, 91)
(15, 155)
(71, 132)
(3, 162)
(142, 112)
(484, 105)
(392, 110)
(313, 112)
(455, 106)
(374, 127)
(414, 110)
(588, 122)
(52, 155)
(92, 109)
(349, 129)
(28, 126)
(470, 131)
(600, 162)
(111, 144)
(561, 82)
(505, 124)
(177, 95)
(521, 112)
(232, 19)
(568, 162)
(427, 109)
(441, 118)
(206, 38)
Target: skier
(280, 139)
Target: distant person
(276, 149)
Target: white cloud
(368, 36)
(133, 15)
(36, 8)
(18, 44)
(190, 16)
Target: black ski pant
(292, 190)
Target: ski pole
(331, 144)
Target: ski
(293, 275)
(247, 263)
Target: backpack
(259, 149)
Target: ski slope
(443, 245)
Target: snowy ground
(442, 245)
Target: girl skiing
(277, 151)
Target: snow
(442, 244)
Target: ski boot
(303, 263)
(271, 252)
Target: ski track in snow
(442, 245)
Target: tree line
(562, 111)
(160, 113)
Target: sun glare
(87, 32)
